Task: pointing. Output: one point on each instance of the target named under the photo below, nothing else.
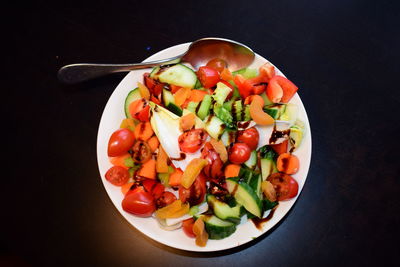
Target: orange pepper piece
(193, 170)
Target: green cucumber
(214, 126)
(247, 73)
(245, 174)
(216, 228)
(169, 102)
(290, 113)
(245, 196)
(268, 161)
(224, 115)
(177, 74)
(255, 183)
(237, 109)
(275, 110)
(228, 137)
(251, 163)
(296, 134)
(267, 205)
(204, 108)
(266, 99)
(221, 93)
(131, 97)
(223, 210)
(246, 115)
(192, 106)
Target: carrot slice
(181, 95)
(281, 148)
(148, 169)
(257, 113)
(196, 95)
(288, 163)
(120, 160)
(162, 161)
(144, 91)
(232, 170)
(187, 122)
(126, 187)
(226, 75)
(200, 232)
(153, 143)
(220, 148)
(143, 131)
(175, 178)
(193, 170)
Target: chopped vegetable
(192, 171)
(162, 161)
(200, 233)
(257, 113)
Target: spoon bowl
(236, 55)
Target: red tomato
(281, 89)
(141, 151)
(165, 199)
(267, 70)
(117, 175)
(195, 193)
(140, 109)
(158, 190)
(139, 202)
(285, 185)
(217, 64)
(249, 136)
(239, 153)
(244, 86)
(120, 142)
(187, 227)
(154, 86)
(208, 77)
(215, 164)
(191, 141)
(149, 185)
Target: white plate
(110, 121)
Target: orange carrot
(148, 169)
(187, 122)
(175, 178)
(288, 163)
(162, 161)
(281, 148)
(120, 160)
(257, 113)
(232, 170)
(143, 131)
(181, 95)
(153, 143)
(126, 187)
(196, 95)
(144, 91)
(226, 75)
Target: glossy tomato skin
(187, 227)
(208, 77)
(282, 87)
(250, 137)
(214, 167)
(194, 195)
(217, 64)
(139, 202)
(239, 153)
(165, 199)
(285, 185)
(141, 151)
(191, 141)
(120, 142)
(117, 175)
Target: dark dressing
(164, 68)
(277, 134)
(259, 222)
(243, 124)
(182, 157)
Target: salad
(207, 150)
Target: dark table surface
(342, 54)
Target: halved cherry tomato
(249, 136)
(154, 86)
(141, 152)
(149, 185)
(218, 64)
(281, 89)
(196, 192)
(139, 202)
(239, 153)
(140, 109)
(165, 199)
(288, 163)
(117, 175)
(158, 190)
(214, 167)
(280, 148)
(285, 185)
(120, 142)
(191, 141)
(187, 227)
(208, 77)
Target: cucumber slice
(205, 106)
(192, 106)
(268, 167)
(178, 74)
(251, 163)
(237, 109)
(246, 115)
(223, 210)
(214, 126)
(131, 97)
(247, 73)
(169, 102)
(296, 134)
(224, 115)
(290, 113)
(221, 93)
(245, 174)
(275, 110)
(245, 196)
(228, 137)
(266, 99)
(255, 183)
(216, 228)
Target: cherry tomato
(191, 141)
(249, 136)
(140, 109)
(158, 190)
(154, 86)
(165, 199)
(267, 70)
(195, 193)
(117, 175)
(187, 227)
(208, 77)
(285, 185)
(139, 202)
(215, 164)
(141, 151)
(280, 89)
(244, 86)
(217, 64)
(239, 153)
(120, 142)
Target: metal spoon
(237, 56)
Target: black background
(344, 56)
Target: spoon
(236, 55)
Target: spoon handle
(75, 73)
